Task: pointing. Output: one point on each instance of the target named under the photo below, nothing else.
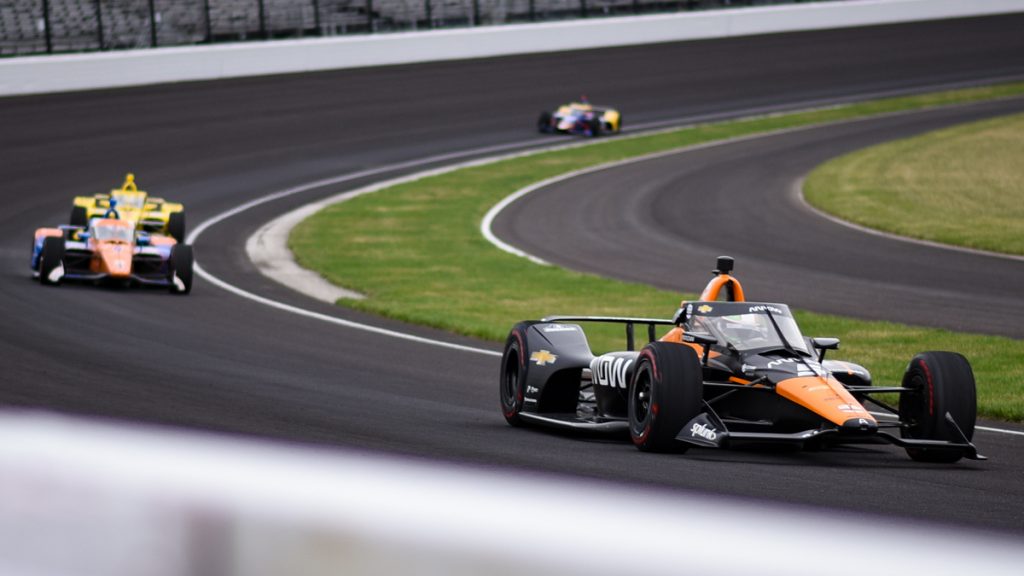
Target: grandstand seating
(114, 24)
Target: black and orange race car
(731, 372)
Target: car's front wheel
(665, 393)
(180, 269)
(939, 383)
(50, 260)
(544, 123)
(512, 381)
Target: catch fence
(55, 26)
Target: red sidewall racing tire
(941, 382)
(665, 393)
(514, 368)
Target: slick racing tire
(940, 382)
(51, 257)
(544, 123)
(181, 263)
(176, 226)
(514, 367)
(594, 127)
(665, 394)
(79, 216)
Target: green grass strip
(962, 185)
(416, 251)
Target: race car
(728, 373)
(147, 213)
(580, 118)
(111, 250)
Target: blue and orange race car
(111, 250)
(580, 118)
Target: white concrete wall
(80, 498)
(41, 74)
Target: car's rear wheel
(176, 226)
(181, 264)
(664, 395)
(940, 382)
(512, 381)
(594, 127)
(51, 258)
(544, 123)
(79, 216)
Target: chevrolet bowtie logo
(543, 357)
(705, 309)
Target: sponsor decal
(689, 310)
(803, 368)
(559, 328)
(611, 371)
(862, 422)
(762, 308)
(747, 368)
(704, 309)
(532, 389)
(543, 358)
(703, 431)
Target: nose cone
(116, 260)
(860, 426)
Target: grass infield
(962, 185)
(416, 251)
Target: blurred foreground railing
(50, 26)
(80, 498)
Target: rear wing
(629, 322)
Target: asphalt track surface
(214, 361)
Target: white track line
(492, 214)
(976, 428)
(999, 430)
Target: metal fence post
(476, 12)
(209, 27)
(369, 15)
(429, 14)
(152, 24)
(263, 19)
(46, 26)
(583, 8)
(316, 17)
(99, 23)
(533, 10)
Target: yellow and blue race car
(580, 118)
(145, 212)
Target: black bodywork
(558, 381)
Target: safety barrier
(38, 74)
